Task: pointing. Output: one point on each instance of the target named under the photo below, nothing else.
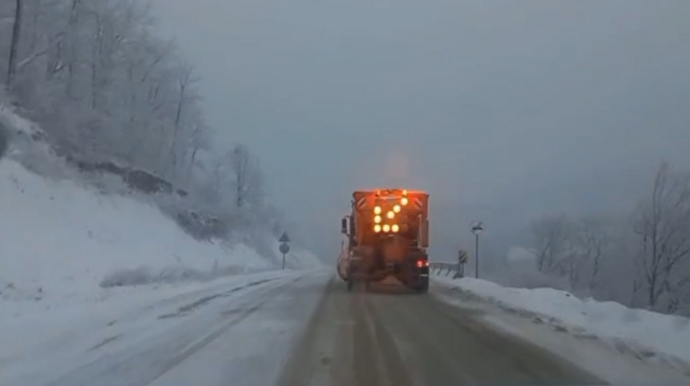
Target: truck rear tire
(423, 286)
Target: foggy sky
(502, 110)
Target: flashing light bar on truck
(399, 201)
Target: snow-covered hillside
(74, 258)
(62, 239)
(59, 239)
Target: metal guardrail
(441, 268)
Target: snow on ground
(296, 258)
(59, 240)
(73, 262)
(149, 332)
(645, 336)
(60, 243)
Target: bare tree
(247, 176)
(593, 239)
(185, 108)
(237, 174)
(663, 227)
(646, 264)
(14, 45)
(198, 140)
(550, 235)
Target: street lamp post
(477, 227)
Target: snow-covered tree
(108, 91)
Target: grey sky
(502, 110)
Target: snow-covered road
(304, 328)
(202, 337)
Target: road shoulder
(607, 360)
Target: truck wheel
(423, 287)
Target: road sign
(462, 256)
(477, 227)
(284, 248)
(284, 238)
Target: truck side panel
(343, 258)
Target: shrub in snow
(147, 182)
(128, 277)
(8, 291)
(201, 226)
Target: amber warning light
(390, 225)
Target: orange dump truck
(386, 234)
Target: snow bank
(666, 334)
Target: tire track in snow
(149, 359)
(187, 309)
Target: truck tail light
(422, 263)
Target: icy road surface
(232, 334)
(388, 337)
(304, 328)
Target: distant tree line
(640, 259)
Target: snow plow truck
(386, 234)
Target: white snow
(146, 329)
(297, 258)
(72, 261)
(644, 335)
(60, 240)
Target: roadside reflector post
(284, 247)
(477, 227)
(460, 268)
